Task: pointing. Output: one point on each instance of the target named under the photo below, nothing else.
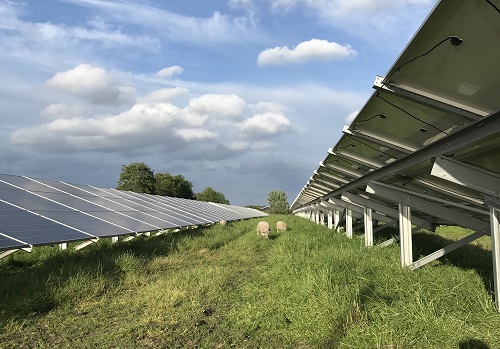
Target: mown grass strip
(221, 287)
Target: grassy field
(226, 287)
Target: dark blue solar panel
(68, 188)
(198, 207)
(74, 202)
(25, 183)
(89, 224)
(33, 229)
(7, 243)
(61, 213)
(155, 209)
(184, 214)
(30, 201)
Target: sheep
(280, 225)
(223, 222)
(263, 228)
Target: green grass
(225, 287)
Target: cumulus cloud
(224, 106)
(170, 71)
(266, 124)
(92, 83)
(62, 111)
(313, 49)
(164, 95)
(195, 134)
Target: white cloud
(169, 71)
(164, 95)
(266, 124)
(92, 83)
(195, 134)
(351, 117)
(271, 107)
(142, 124)
(62, 111)
(216, 28)
(367, 19)
(239, 145)
(225, 106)
(313, 49)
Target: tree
(174, 186)
(137, 177)
(278, 202)
(209, 194)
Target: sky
(244, 96)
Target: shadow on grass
(466, 257)
(33, 285)
(472, 344)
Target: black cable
(455, 41)
(496, 8)
(369, 146)
(413, 116)
(383, 116)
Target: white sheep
(280, 225)
(223, 222)
(263, 228)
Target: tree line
(140, 178)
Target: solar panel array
(425, 148)
(37, 212)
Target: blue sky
(245, 96)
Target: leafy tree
(137, 177)
(174, 186)
(278, 202)
(209, 194)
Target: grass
(224, 287)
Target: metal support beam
(429, 207)
(405, 235)
(344, 170)
(86, 243)
(364, 132)
(447, 249)
(330, 220)
(448, 145)
(336, 219)
(425, 99)
(348, 223)
(470, 176)
(495, 250)
(329, 176)
(368, 227)
(7, 253)
(377, 206)
(354, 157)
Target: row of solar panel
(422, 99)
(42, 212)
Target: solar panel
(427, 141)
(33, 229)
(8, 243)
(39, 212)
